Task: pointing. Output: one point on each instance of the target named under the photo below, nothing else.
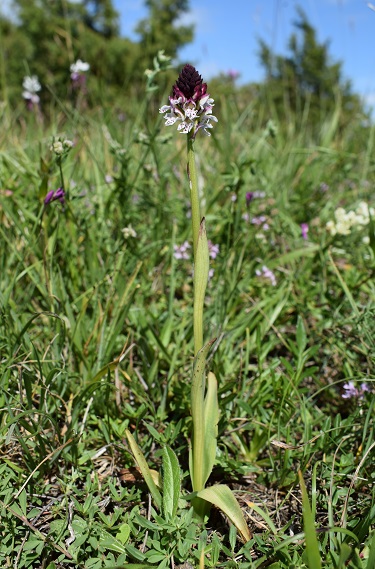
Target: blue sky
(226, 33)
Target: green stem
(196, 222)
(59, 162)
(194, 196)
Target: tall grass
(95, 337)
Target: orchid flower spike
(190, 104)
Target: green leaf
(222, 497)
(134, 552)
(23, 502)
(107, 541)
(264, 515)
(196, 458)
(345, 552)
(211, 419)
(312, 546)
(143, 466)
(301, 336)
(371, 557)
(123, 534)
(171, 483)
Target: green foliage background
(95, 325)
(45, 37)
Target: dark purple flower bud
(190, 104)
(249, 197)
(54, 195)
(49, 197)
(60, 195)
(189, 84)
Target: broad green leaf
(312, 546)
(109, 542)
(143, 466)
(171, 483)
(123, 534)
(196, 458)
(211, 419)
(222, 497)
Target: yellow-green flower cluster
(345, 221)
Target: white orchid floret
(31, 84)
(32, 97)
(79, 66)
(190, 103)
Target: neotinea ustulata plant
(191, 106)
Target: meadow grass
(96, 337)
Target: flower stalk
(194, 194)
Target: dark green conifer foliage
(44, 37)
(160, 30)
(305, 76)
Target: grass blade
(312, 546)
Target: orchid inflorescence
(31, 88)
(77, 72)
(189, 103)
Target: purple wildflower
(181, 251)
(249, 197)
(190, 103)
(213, 250)
(54, 195)
(266, 273)
(77, 75)
(352, 391)
(259, 220)
(304, 230)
